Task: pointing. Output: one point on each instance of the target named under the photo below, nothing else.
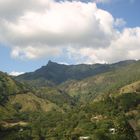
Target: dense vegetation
(94, 120)
(100, 107)
(9, 86)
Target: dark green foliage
(8, 86)
(17, 106)
(56, 96)
(129, 100)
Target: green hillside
(56, 96)
(8, 86)
(102, 106)
(134, 87)
(18, 97)
(109, 82)
(18, 107)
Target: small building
(21, 129)
(112, 130)
(84, 138)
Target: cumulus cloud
(125, 47)
(15, 73)
(74, 23)
(44, 28)
(11, 9)
(34, 52)
(62, 23)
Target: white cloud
(15, 73)
(34, 52)
(12, 9)
(61, 24)
(125, 47)
(119, 22)
(44, 28)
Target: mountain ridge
(55, 74)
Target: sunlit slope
(109, 82)
(16, 97)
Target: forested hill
(47, 115)
(91, 106)
(108, 82)
(54, 73)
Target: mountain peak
(51, 62)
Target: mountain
(54, 73)
(104, 83)
(102, 102)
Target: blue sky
(126, 9)
(10, 59)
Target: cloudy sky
(71, 32)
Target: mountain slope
(134, 87)
(108, 82)
(54, 74)
(16, 97)
(22, 109)
(8, 86)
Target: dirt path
(8, 124)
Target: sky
(70, 32)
